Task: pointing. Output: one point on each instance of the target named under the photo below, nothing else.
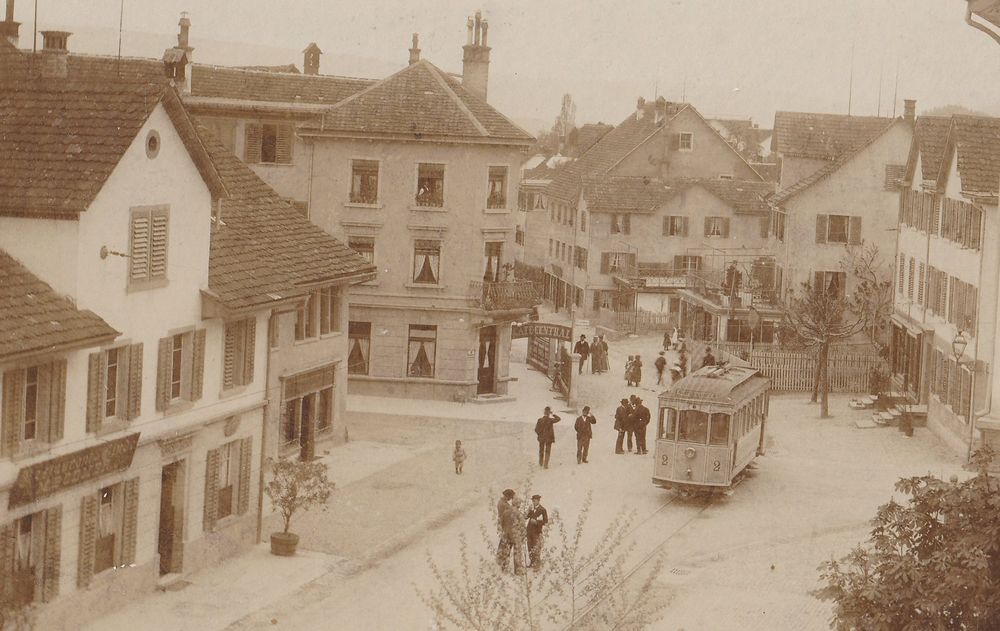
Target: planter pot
(284, 544)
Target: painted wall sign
(541, 329)
(51, 476)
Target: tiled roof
(742, 196)
(977, 141)
(930, 133)
(35, 319)
(60, 138)
(588, 135)
(419, 100)
(611, 148)
(289, 68)
(264, 249)
(770, 171)
(823, 136)
(268, 85)
(624, 193)
(832, 167)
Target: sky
(730, 58)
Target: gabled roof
(976, 139)
(609, 193)
(419, 101)
(289, 68)
(35, 319)
(741, 195)
(930, 133)
(252, 84)
(588, 135)
(264, 250)
(823, 136)
(832, 167)
(61, 138)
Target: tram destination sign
(51, 476)
(542, 329)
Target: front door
(171, 537)
(307, 428)
(487, 360)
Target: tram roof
(727, 385)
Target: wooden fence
(795, 370)
(644, 321)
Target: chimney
(415, 50)
(9, 28)
(310, 59)
(476, 57)
(661, 110)
(54, 54)
(640, 108)
(909, 110)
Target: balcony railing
(711, 284)
(504, 295)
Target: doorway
(487, 360)
(307, 428)
(171, 537)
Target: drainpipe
(996, 302)
(263, 433)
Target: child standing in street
(458, 456)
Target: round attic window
(152, 144)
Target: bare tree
(872, 295)
(575, 588)
(820, 317)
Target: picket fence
(795, 370)
(644, 321)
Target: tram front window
(668, 423)
(720, 430)
(693, 427)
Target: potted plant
(295, 485)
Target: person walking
(584, 433)
(628, 369)
(636, 375)
(661, 365)
(595, 351)
(621, 419)
(582, 348)
(603, 364)
(546, 436)
(513, 537)
(504, 546)
(641, 421)
(538, 518)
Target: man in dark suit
(621, 419)
(582, 349)
(584, 433)
(538, 517)
(546, 436)
(641, 416)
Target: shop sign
(541, 329)
(63, 472)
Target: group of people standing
(519, 530)
(631, 419)
(545, 431)
(596, 351)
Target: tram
(711, 427)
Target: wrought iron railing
(504, 295)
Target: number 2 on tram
(710, 428)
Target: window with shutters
(675, 226)
(359, 344)
(364, 181)
(838, 229)
(148, 237)
(365, 246)
(240, 344)
(430, 185)
(30, 556)
(621, 224)
(902, 274)
(685, 141)
(28, 544)
(33, 407)
(110, 524)
(716, 226)
(180, 368)
(426, 262)
(894, 174)
(269, 143)
(229, 475)
(305, 319)
(227, 481)
(910, 274)
(114, 388)
(421, 350)
(496, 198)
(920, 284)
(778, 225)
(837, 232)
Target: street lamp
(958, 346)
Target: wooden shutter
(725, 227)
(197, 364)
(765, 227)
(854, 230)
(8, 544)
(13, 404)
(285, 141)
(52, 553)
(627, 223)
(57, 400)
(677, 142)
(935, 216)
(684, 228)
(822, 221)
(211, 490)
(166, 345)
(817, 281)
(139, 246)
(246, 453)
(134, 393)
(977, 220)
(921, 280)
(970, 306)
(131, 521)
(95, 391)
(44, 398)
(254, 134)
(88, 539)
(249, 349)
(666, 226)
(605, 262)
(158, 243)
(708, 225)
(229, 355)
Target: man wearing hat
(661, 364)
(546, 436)
(582, 349)
(538, 517)
(584, 433)
(621, 422)
(641, 420)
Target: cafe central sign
(542, 329)
(51, 476)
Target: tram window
(693, 427)
(668, 423)
(720, 430)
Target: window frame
(426, 244)
(117, 510)
(366, 249)
(504, 202)
(138, 280)
(681, 137)
(429, 195)
(328, 304)
(355, 163)
(411, 356)
(242, 345)
(355, 332)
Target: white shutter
(139, 248)
(158, 246)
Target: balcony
(514, 295)
(712, 285)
